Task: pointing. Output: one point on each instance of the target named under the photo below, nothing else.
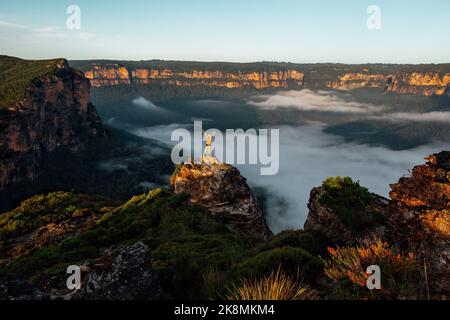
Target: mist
(307, 157)
(307, 154)
(308, 100)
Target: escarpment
(416, 83)
(426, 80)
(46, 118)
(115, 74)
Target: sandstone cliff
(222, 190)
(54, 116)
(407, 82)
(116, 74)
(419, 219)
(424, 80)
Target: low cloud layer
(333, 102)
(443, 117)
(146, 104)
(308, 100)
(161, 133)
(308, 156)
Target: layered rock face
(424, 80)
(115, 74)
(222, 190)
(417, 83)
(419, 217)
(55, 115)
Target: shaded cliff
(46, 119)
(424, 80)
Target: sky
(229, 30)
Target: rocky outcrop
(422, 83)
(419, 217)
(416, 219)
(222, 190)
(55, 116)
(125, 274)
(116, 74)
(324, 220)
(416, 83)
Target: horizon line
(232, 62)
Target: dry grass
(277, 286)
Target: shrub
(346, 198)
(185, 241)
(276, 286)
(310, 241)
(291, 260)
(347, 268)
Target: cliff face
(222, 190)
(55, 115)
(115, 74)
(417, 83)
(419, 216)
(404, 79)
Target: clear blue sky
(229, 30)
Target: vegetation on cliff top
(347, 198)
(193, 253)
(329, 68)
(196, 256)
(17, 74)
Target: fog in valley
(307, 153)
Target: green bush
(312, 242)
(42, 209)
(185, 240)
(291, 260)
(347, 198)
